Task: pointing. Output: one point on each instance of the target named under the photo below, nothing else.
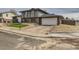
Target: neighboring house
(41, 17)
(6, 17)
(1, 18)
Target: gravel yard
(51, 44)
(65, 44)
(43, 30)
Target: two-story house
(6, 17)
(39, 16)
(1, 18)
(32, 14)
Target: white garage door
(49, 21)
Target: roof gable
(51, 15)
(35, 9)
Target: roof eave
(35, 9)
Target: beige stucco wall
(10, 15)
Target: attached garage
(49, 21)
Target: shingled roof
(36, 9)
(51, 15)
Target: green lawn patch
(17, 25)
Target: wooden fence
(68, 22)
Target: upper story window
(23, 14)
(0, 15)
(6, 15)
(29, 14)
(32, 13)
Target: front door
(40, 21)
(33, 20)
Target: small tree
(67, 18)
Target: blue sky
(50, 10)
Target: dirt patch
(34, 42)
(31, 44)
(65, 28)
(64, 44)
(51, 44)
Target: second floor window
(0, 15)
(6, 15)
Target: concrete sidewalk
(28, 33)
(65, 34)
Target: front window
(6, 15)
(0, 15)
